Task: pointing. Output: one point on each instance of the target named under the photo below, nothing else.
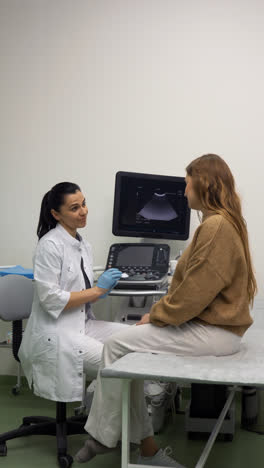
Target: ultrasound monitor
(151, 206)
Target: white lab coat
(54, 341)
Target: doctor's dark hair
(53, 200)
(214, 185)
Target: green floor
(246, 450)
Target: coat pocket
(44, 365)
(44, 347)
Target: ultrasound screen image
(158, 208)
(149, 206)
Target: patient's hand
(144, 319)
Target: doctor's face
(73, 213)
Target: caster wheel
(65, 461)
(228, 437)
(3, 450)
(15, 391)
(24, 424)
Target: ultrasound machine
(146, 206)
(149, 206)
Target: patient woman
(206, 310)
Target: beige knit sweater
(210, 281)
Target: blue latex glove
(109, 290)
(109, 279)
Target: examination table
(245, 368)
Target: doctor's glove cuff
(106, 294)
(109, 278)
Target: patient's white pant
(189, 339)
(97, 332)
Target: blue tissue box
(17, 270)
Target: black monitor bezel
(117, 231)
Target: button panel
(139, 273)
(130, 258)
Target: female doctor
(62, 339)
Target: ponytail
(53, 200)
(46, 220)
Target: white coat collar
(68, 238)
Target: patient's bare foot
(90, 449)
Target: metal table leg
(215, 431)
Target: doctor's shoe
(90, 449)
(160, 397)
(161, 458)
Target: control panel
(142, 265)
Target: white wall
(90, 87)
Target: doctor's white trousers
(190, 339)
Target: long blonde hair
(214, 184)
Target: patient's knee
(113, 349)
